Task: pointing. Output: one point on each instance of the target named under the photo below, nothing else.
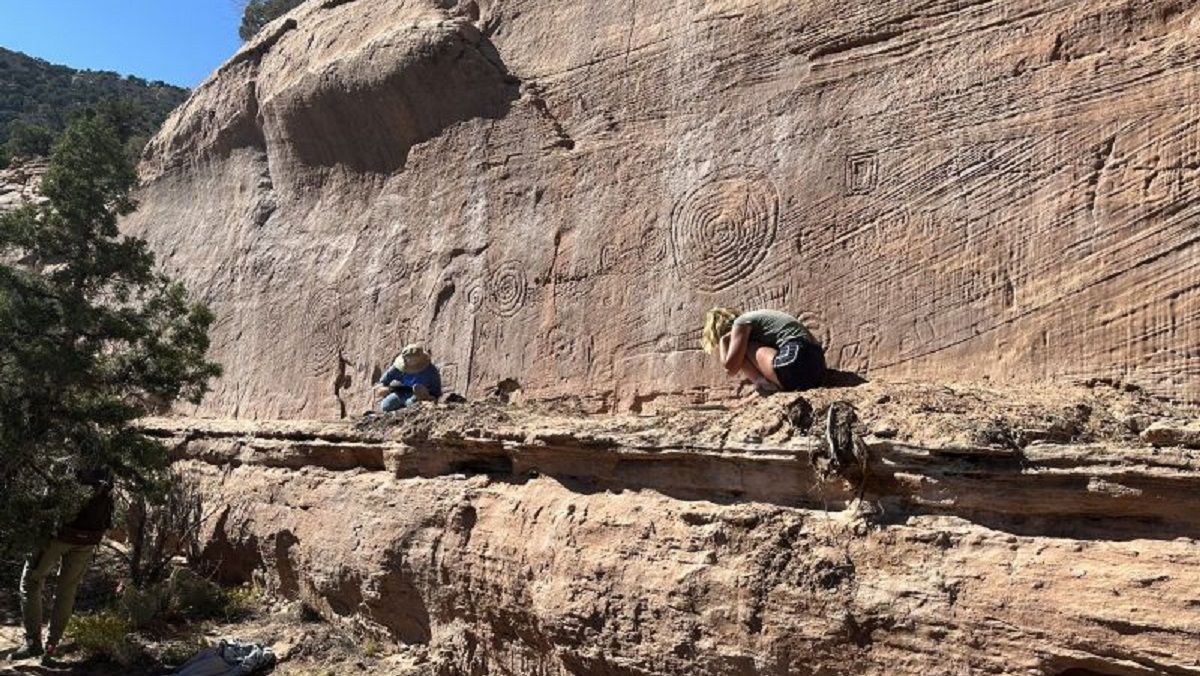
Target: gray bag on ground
(229, 658)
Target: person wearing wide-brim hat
(411, 378)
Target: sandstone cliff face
(986, 532)
(555, 190)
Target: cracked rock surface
(990, 531)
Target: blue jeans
(401, 397)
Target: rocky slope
(985, 531)
(553, 191)
(20, 183)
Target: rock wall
(554, 191)
(20, 183)
(985, 533)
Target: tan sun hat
(412, 359)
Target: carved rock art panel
(995, 219)
(817, 326)
(325, 334)
(654, 249)
(862, 173)
(503, 290)
(858, 354)
(507, 288)
(723, 229)
(476, 296)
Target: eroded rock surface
(553, 191)
(21, 182)
(988, 532)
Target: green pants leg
(75, 560)
(33, 579)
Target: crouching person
(411, 378)
(71, 551)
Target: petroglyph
(476, 296)
(856, 354)
(862, 173)
(325, 334)
(654, 248)
(724, 228)
(688, 341)
(507, 288)
(502, 291)
(816, 325)
(1026, 213)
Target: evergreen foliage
(92, 337)
(36, 96)
(26, 140)
(259, 13)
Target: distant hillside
(38, 98)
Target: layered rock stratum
(20, 183)
(555, 191)
(985, 531)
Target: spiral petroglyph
(724, 228)
(476, 296)
(325, 334)
(507, 288)
(655, 252)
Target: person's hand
(421, 392)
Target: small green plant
(104, 634)
(242, 602)
(142, 606)
(371, 648)
(193, 596)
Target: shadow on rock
(836, 378)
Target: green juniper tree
(92, 338)
(28, 140)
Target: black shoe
(51, 655)
(26, 651)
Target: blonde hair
(717, 322)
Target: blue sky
(177, 41)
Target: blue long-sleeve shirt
(430, 378)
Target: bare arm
(733, 348)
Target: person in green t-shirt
(769, 348)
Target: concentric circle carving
(507, 288)
(724, 228)
(476, 296)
